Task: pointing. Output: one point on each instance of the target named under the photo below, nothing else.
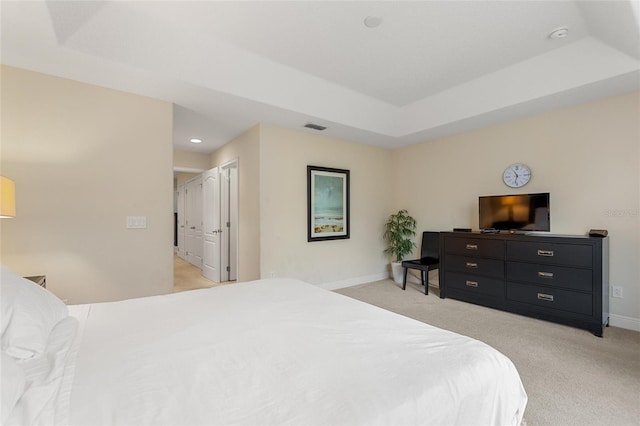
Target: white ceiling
(432, 68)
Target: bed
(276, 351)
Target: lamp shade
(7, 197)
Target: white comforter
(278, 352)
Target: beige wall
(83, 159)
(246, 150)
(181, 177)
(586, 156)
(190, 161)
(285, 155)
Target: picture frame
(328, 203)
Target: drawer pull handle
(471, 265)
(547, 297)
(472, 247)
(472, 283)
(548, 253)
(545, 274)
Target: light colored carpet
(571, 376)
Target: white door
(182, 252)
(211, 221)
(193, 223)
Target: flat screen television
(518, 212)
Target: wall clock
(516, 175)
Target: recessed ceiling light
(559, 33)
(194, 140)
(372, 21)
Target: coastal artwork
(328, 203)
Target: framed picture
(327, 203)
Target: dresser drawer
(475, 247)
(551, 275)
(476, 265)
(550, 253)
(475, 284)
(552, 298)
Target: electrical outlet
(617, 292)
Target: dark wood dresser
(557, 278)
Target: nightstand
(41, 280)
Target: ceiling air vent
(314, 126)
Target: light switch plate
(136, 222)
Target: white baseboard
(624, 322)
(354, 281)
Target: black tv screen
(520, 212)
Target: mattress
(276, 351)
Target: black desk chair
(429, 259)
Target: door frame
(231, 255)
(180, 209)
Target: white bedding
(277, 352)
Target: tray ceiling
(429, 69)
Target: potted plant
(398, 232)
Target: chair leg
(426, 282)
(404, 281)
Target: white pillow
(29, 313)
(13, 383)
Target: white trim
(235, 164)
(229, 164)
(624, 322)
(187, 170)
(354, 281)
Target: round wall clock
(516, 175)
